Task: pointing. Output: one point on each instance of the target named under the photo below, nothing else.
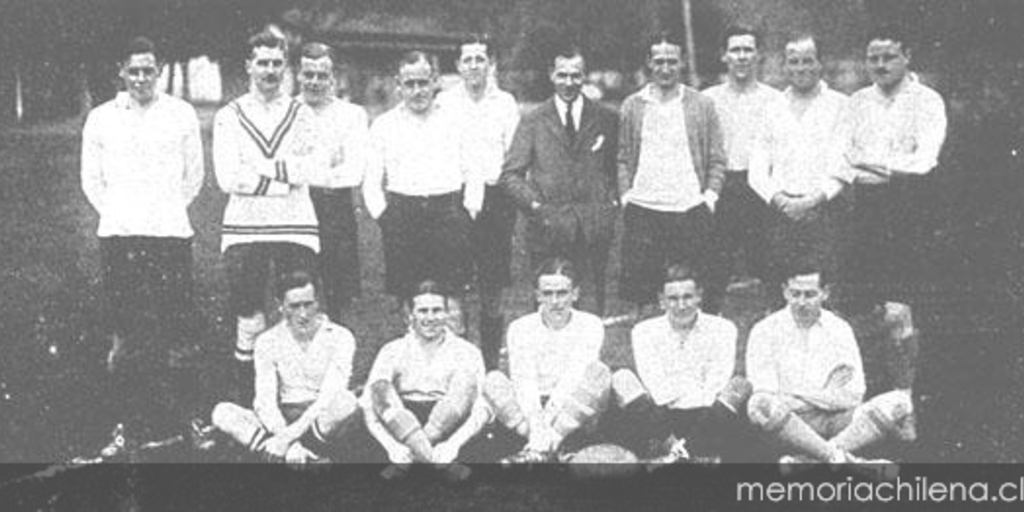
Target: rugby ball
(601, 461)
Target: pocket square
(598, 143)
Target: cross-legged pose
(682, 399)
(303, 365)
(805, 367)
(420, 400)
(557, 385)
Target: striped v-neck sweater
(254, 145)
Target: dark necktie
(570, 125)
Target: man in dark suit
(561, 172)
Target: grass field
(52, 379)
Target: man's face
(301, 310)
(567, 76)
(802, 66)
(418, 84)
(316, 79)
(666, 63)
(140, 73)
(266, 68)
(429, 315)
(887, 61)
(805, 296)
(474, 66)
(681, 300)
(556, 294)
(741, 56)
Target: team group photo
(439, 239)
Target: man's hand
(839, 377)
(400, 454)
(710, 199)
(445, 453)
(275, 449)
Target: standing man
(741, 103)
(303, 365)
(561, 173)
(808, 379)
(898, 128)
(342, 130)
(683, 395)
(797, 166)
(488, 118)
(419, 188)
(142, 164)
(265, 155)
(672, 166)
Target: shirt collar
(647, 93)
(124, 100)
(821, 89)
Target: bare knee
(226, 414)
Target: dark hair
(267, 39)
(417, 56)
(317, 50)
(805, 268)
(740, 30)
(890, 32)
(483, 39)
(665, 37)
(556, 266)
(566, 51)
(137, 46)
(796, 37)
(293, 280)
(427, 287)
(679, 272)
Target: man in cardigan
(265, 156)
(560, 171)
(671, 169)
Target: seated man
(683, 389)
(558, 383)
(423, 387)
(808, 378)
(302, 403)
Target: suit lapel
(588, 122)
(554, 122)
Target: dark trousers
(426, 237)
(653, 240)
(149, 290)
(253, 268)
(882, 263)
(739, 238)
(492, 239)
(713, 430)
(812, 240)
(339, 248)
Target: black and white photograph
(513, 255)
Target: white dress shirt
(577, 110)
(903, 132)
(741, 112)
(784, 358)
(665, 180)
(289, 373)
(142, 166)
(684, 373)
(547, 362)
(418, 155)
(802, 154)
(488, 125)
(344, 128)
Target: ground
(52, 377)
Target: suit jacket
(577, 184)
